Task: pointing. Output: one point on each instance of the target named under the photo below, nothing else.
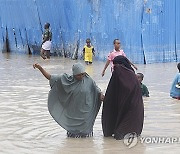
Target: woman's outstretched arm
(46, 74)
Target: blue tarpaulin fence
(149, 30)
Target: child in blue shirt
(175, 89)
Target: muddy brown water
(26, 126)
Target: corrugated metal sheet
(148, 29)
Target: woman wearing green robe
(74, 100)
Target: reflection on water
(27, 127)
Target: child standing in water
(144, 89)
(88, 52)
(46, 43)
(116, 52)
(175, 89)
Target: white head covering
(78, 68)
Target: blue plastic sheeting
(149, 30)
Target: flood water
(26, 126)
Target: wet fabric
(74, 104)
(123, 110)
(80, 135)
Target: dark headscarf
(124, 61)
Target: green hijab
(78, 68)
(74, 104)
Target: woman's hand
(37, 66)
(46, 74)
